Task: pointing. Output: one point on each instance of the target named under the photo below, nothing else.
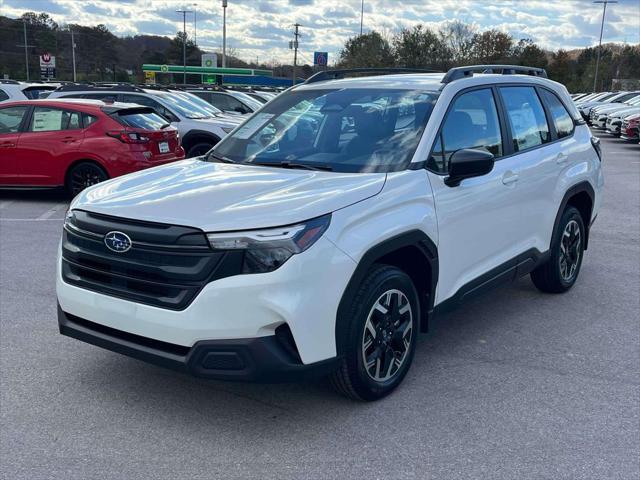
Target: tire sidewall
(367, 387)
(198, 146)
(570, 213)
(104, 175)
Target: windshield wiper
(302, 166)
(218, 158)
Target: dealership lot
(516, 384)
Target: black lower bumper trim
(260, 359)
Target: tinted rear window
(145, 120)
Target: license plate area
(163, 147)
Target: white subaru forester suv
(322, 235)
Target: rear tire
(83, 175)
(559, 273)
(380, 337)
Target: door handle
(509, 178)
(561, 158)
(7, 145)
(68, 140)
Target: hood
(624, 112)
(611, 108)
(225, 197)
(221, 121)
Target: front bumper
(264, 359)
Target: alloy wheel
(85, 176)
(387, 335)
(570, 250)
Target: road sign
(47, 66)
(320, 58)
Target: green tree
(528, 53)
(420, 47)
(368, 50)
(492, 46)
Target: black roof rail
(336, 74)
(98, 87)
(457, 73)
(9, 82)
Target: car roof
(89, 105)
(424, 81)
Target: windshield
(350, 130)
(203, 104)
(185, 107)
(246, 99)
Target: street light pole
(73, 54)
(195, 24)
(184, 44)
(604, 12)
(224, 33)
(361, 16)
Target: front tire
(382, 327)
(199, 149)
(559, 273)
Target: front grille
(166, 266)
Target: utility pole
(361, 16)
(184, 44)
(604, 12)
(224, 33)
(296, 34)
(26, 47)
(73, 54)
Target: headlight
(266, 250)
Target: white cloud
(263, 28)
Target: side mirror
(468, 163)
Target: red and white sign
(47, 61)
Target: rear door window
(45, 119)
(561, 118)
(11, 118)
(526, 117)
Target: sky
(262, 29)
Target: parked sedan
(78, 143)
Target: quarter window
(526, 117)
(11, 118)
(3, 96)
(561, 118)
(472, 122)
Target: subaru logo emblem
(117, 242)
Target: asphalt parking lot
(517, 384)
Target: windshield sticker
(252, 126)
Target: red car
(78, 143)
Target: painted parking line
(31, 220)
(52, 211)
